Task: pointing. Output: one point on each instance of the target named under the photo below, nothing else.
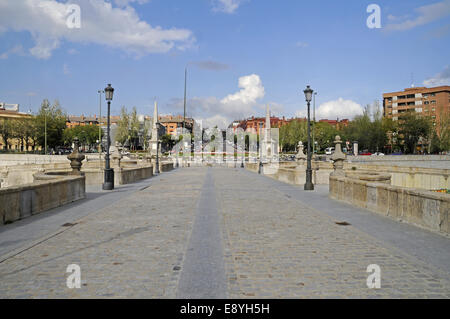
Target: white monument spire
(267, 117)
(154, 138)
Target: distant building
(254, 123)
(11, 112)
(171, 123)
(73, 120)
(430, 102)
(338, 124)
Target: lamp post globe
(109, 172)
(308, 184)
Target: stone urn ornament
(338, 158)
(76, 158)
(300, 156)
(116, 154)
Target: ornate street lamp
(109, 172)
(309, 185)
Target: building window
(426, 103)
(433, 102)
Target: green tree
(87, 135)
(412, 128)
(6, 131)
(291, 134)
(443, 126)
(325, 134)
(53, 118)
(122, 133)
(134, 129)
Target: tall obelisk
(154, 139)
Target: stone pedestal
(300, 157)
(338, 158)
(76, 158)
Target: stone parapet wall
(166, 167)
(45, 193)
(122, 176)
(397, 158)
(413, 177)
(21, 159)
(422, 208)
(131, 175)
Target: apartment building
(172, 123)
(430, 102)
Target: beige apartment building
(431, 102)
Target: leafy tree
(370, 130)
(134, 129)
(6, 131)
(87, 135)
(291, 134)
(122, 133)
(52, 117)
(443, 126)
(324, 135)
(413, 128)
(435, 147)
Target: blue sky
(240, 55)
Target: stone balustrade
(46, 192)
(422, 208)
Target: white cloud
(101, 23)
(124, 3)
(18, 49)
(339, 108)
(227, 6)
(251, 90)
(426, 14)
(218, 120)
(222, 112)
(442, 78)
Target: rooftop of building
(420, 89)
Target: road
(219, 233)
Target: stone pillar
(76, 158)
(355, 148)
(300, 156)
(338, 158)
(116, 155)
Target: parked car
(329, 150)
(365, 153)
(378, 154)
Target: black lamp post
(309, 185)
(158, 125)
(109, 172)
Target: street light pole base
(309, 186)
(109, 180)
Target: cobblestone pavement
(133, 248)
(272, 246)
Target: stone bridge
(218, 232)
